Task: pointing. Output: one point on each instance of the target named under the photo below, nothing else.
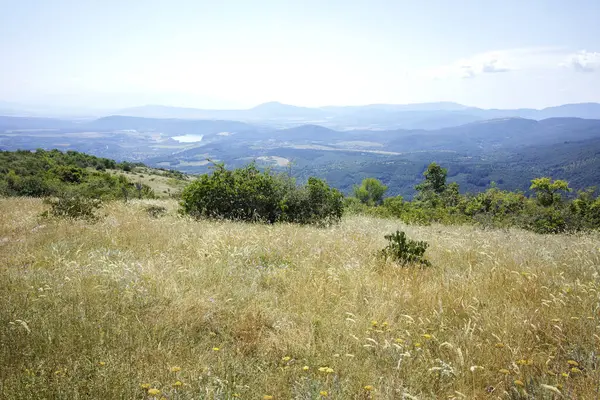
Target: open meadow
(137, 307)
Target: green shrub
(68, 173)
(247, 194)
(404, 250)
(370, 191)
(353, 206)
(73, 207)
(50, 173)
(243, 194)
(315, 203)
(545, 220)
(395, 205)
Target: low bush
(155, 211)
(72, 206)
(247, 194)
(404, 250)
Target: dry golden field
(134, 307)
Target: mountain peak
(274, 105)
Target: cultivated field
(134, 307)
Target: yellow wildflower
(417, 344)
(426, 336)
(573, 363)
(102, 363)
(305, 368)
(368, 388)
(564, 375)
(399, 340)
(373, 323)
(519, 382)
(175, 369)
(216, 349)
(145, 386)
(235, 395)
(323, 393)
(267, 397)
(286, 359)
(499, 345)
(153, 392)
(575, 370)
(177, 384)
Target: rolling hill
(507, 150)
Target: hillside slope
(222, 309)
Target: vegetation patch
(404, 250)
(247, 194)
(71, 206)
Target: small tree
(404, 250)
(547, 191)
(370, 191)
(433, 186)
(451, 196)
(435, 179)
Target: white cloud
(492, 66)
(485, 63)
(493, 62)
(583, 61)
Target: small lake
(188, 138)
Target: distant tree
(435, 179)
(370, 191)
(547, 191)
(451, 196)
(433, 186)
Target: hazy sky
(225, 53)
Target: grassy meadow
(135, 307)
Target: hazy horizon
(235, 54)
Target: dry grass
(163, 186)
(96, 311)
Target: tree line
(547, 210)
(251, 194)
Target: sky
(112, 54)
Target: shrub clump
(155, 211)
(404, 250)
(72, 206)
(247, 194)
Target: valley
(508, 151)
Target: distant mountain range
(278, 115)
(374, 116)
(507, 150)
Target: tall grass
(220, 310)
